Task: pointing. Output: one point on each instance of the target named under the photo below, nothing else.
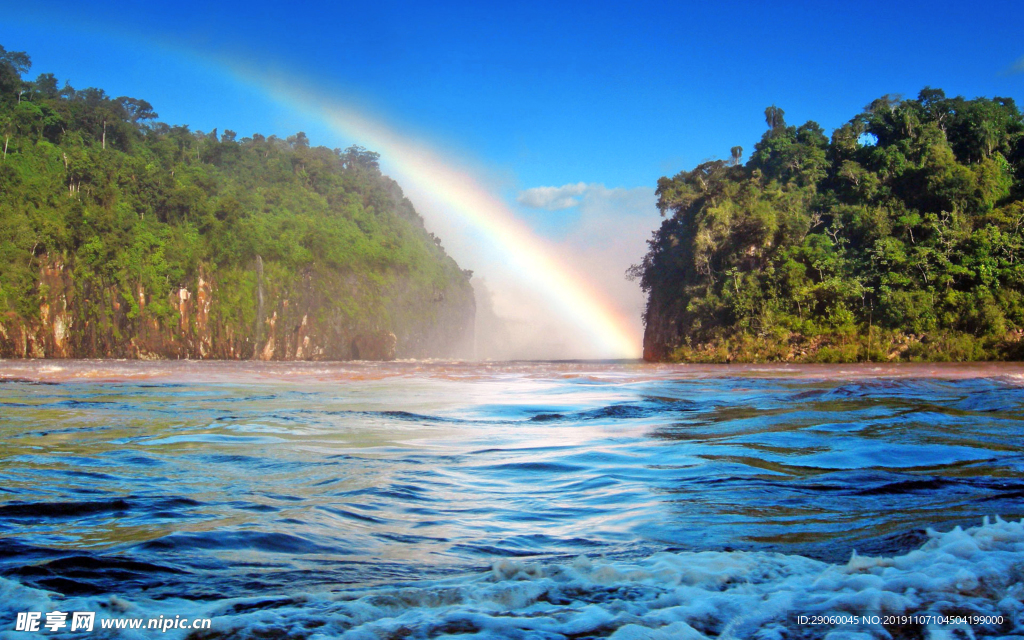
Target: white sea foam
(973, 572)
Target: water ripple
(247, 481)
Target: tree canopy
(98, 183)
(898, 237)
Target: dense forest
(898, 238)
(124, 236)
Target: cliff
(125, 237)
(900, 237)
(298, 321)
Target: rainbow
(459, 193)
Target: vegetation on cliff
(898, 238)
(170, 242)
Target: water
(519, 500)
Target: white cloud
(553, 198)
(1016, 67)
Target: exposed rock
(660, 332)
(268, 349)
(90, 321)
(379, 345)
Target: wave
(689, 595)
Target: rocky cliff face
(295, 318)
(661, 329)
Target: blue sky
(611, 93)
(555, 104)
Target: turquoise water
(289, 499)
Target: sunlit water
(550, 500)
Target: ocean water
(548, 501)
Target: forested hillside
(898, 238)
(124, 236)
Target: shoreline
(878, 346)
(55, 371)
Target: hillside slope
(899, 238)
(121, 236)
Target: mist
(608, 234)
